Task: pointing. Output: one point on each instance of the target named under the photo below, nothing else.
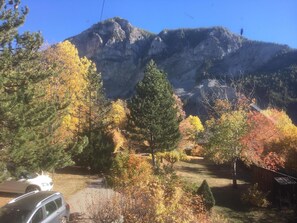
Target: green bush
(190, 187)
(205, 191)
(255, 197)
(4, 174)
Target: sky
(262, 20)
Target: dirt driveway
(84, 203)
(6, 197)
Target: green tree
(98, 152)
(208, 198)
(10, 20)
(27, 118)
(224, 138)
(153, 113)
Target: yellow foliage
(69, 85)
(172, 156)
(118, 139)
(281, 120)
(189, 129)
(116, 118)
(151, 199)
(286, 145)
(235, 118)
(196, 123)
(118, 115)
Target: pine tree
(153, 114)
(27, 117)
(98, 152)
(10, 20)
(208, 198)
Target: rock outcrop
(190, 57)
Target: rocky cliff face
(189, 56)
(119, 51)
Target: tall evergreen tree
(98, 152)
(10, 20)
(27, 117)
(153, 113)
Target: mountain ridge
(190, 56)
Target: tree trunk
(234, 173)
(153, 158)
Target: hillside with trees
(54, 113)
(192, 58)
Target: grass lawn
(228, 201)
(70, 180)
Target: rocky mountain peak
(188, 56)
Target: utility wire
(102, 10)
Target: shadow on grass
(228, 202)
(229, 197)
(213, 170)
(271, 215)
(74, 170)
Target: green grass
(228, 201)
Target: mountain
(194, 59)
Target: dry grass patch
(69, 184)
(198, 169)
(70, 180)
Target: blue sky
(263, 20)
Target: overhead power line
(102, 9)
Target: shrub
(205, 191)
(190, 187)
(172, 157)
(152, 203)
(145, 197)
(4, 174)
(129, 170)
(255, 197)
(197, 150)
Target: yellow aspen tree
(69, 86)
(117, 118)
(189, 129)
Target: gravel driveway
(83, 202)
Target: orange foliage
(179, 105)
(153, 199)
(271, 136)
(119, 140)
(261, 132)
(130, 170)
(189, 128)
(116, 119)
